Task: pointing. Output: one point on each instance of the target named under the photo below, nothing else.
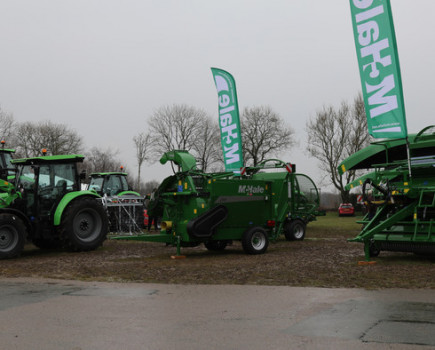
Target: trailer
(253, 207)
(399, 192)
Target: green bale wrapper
(218, 208)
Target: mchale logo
(249, 189)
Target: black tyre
(84, 224)
(47, 243)
(12, 236)
(295, 230)
(216, 245)
(255, 241)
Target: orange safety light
(44, 151)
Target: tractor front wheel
(84, 224)
(12, 236)
(295, 230)
(255, 241)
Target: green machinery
(125, 207)
(218, 208)
(111, 184)
(399, 193)
(6, 167)
(44, 204)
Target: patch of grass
(332, 225)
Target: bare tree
(31, 138)
(25, 139)
(101, 160)
(150, 186)
(264, 134)
(335, 134)
(207, 147)
(142, 143)
(175, 127)
(7, 125)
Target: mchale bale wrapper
(399, 194)
(218, 208)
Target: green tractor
(125, 207)
(44, 204)
(111, 184)
(219, 208)
(6, 167)
(399, 193)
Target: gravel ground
(323, 259)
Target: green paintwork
(67, 199)
(124, 193)
(183, 159)
(249, 201)
(403, 202)
(389, 151)
(46, 159)
(109, 173)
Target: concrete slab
(71, 315)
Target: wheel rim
(298, 231)
(258, 241)
(8, 238)
(87, 225)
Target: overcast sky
(102, 67)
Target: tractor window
(5, 160)
(56, 179)
(26, 177)
(25, 182)
(45, 180)
(65, 175)
(96, 184)
(124, 184)
(112, 186)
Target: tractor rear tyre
(84, 224)
(12, 236)
(295, 230)
(255, 241)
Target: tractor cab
(110, 184)
(44, 181)
(6, 167)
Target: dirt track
(323, 259)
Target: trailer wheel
(255, 241)
(295, 230)
(84, 224)
(12, 236)
(216, 245)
